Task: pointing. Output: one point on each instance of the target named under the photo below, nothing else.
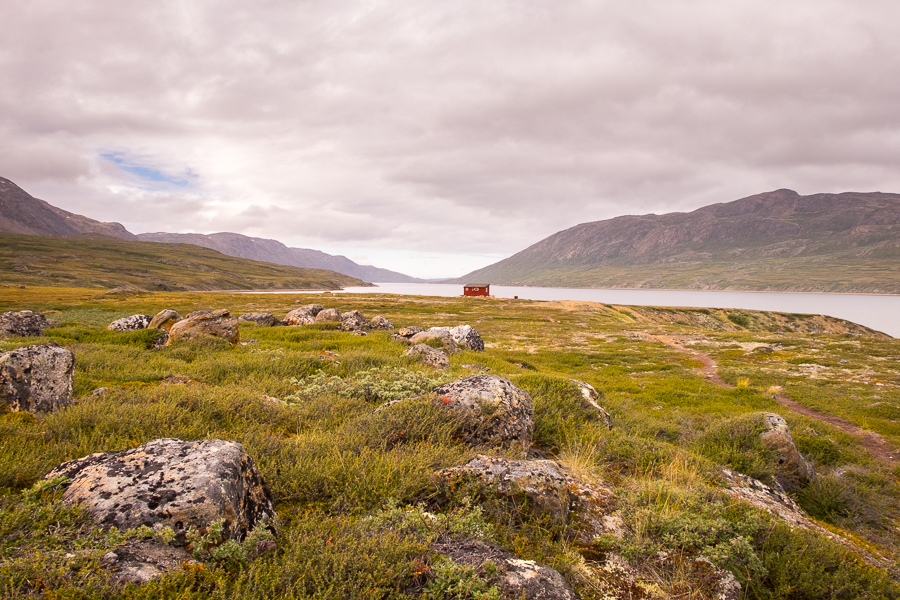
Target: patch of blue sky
(147, 173)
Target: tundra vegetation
(353, 488)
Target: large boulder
(379, 322)
(444, 336)
(164, 319)
(794, 471)
(170, 483)
(464, 335)
(427, 355)
(496, 413)
(36, 378)
(329, 315)
(353, 320)
(23, 323)
(592, 397)
(206, 323)
(262, 319)
(132, 323)
(514, 578)
(540, 482)
(303, 315)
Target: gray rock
(399, 338)
(427, 355)
(540, 482)
(303, 315)
(496, 412)
(354, 320)
(476, 367)
(444, 336)
(464, 335)
(170, 483)
(23, 323)
(164, 319)
(515, 579)
(592, 397)
(262, 319)
(794, 471)
(381, 323)
(329, 315)
(408, 332)
(132, 323)
(206, 323)
(100, 391)
(37, 378)
(141, 561)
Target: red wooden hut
(477, 289)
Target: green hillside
(92, 261)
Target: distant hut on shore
(477, 289)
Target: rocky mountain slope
(273, 251)
(777, 241)
(22, 213)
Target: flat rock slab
(173, 483)
(22, 323)
(497, 413)
(516, 578)
(36, 378)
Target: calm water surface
(878, 312)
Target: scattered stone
(124, 290)
(161, 339)
(381, 323)
(304, 315)
(274, 400)
(141, 561)
(164, 319)
(177, 380)
(171, 483)
(329, 315)
(354, 320)
(261, 319)
(100, 391)
(427, 355)
(132, 323)
(476, 367)
(250, 341)
(497, 413)
(360, 333)
(540, 482)
(399, 338)
(516, 578)
(23, 323)
(36, 378)
(592, 396)
(464, 335)
(763, 350)
(206, 323)
(444, 336)
(717, 583)
(794, 471)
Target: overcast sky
(434, 138)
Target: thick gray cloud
(434, 138)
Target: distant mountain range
(22, 213)
(776, 241)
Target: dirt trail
(871, 441)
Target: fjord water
(881, 313)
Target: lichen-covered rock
(408, 332)
(329, 315)
(261, 319)
(206, 323)
(132, 323)
(496, 413)
(164, 319)
(22, 323)
(540, 482)
(592, 397)
(464, 335)
(303, 315)
(427, 355)
(171, 483)
(36, 378)
(794, 471)
(353, 320)
(514, 578)
(381, 323)
(444, 336)
(141, 561)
